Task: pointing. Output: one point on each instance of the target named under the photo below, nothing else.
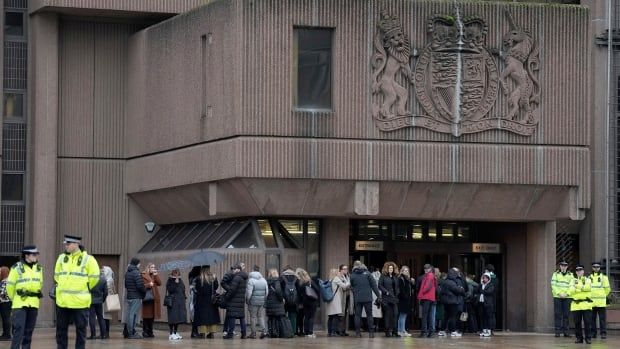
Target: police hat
(31, 249)
(563, 262)
(72, 239)
(596, 264)
(579, 267)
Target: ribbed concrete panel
(267, 157)
(157, 6)
(75, 199)
(110, 215)
(92, 204)
(77, 76)
(110, 70)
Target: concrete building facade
(316, 132)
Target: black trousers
(586, 316)
(561, 311)
(451, 312)
(80, 320)
(427, 317)
(367, 306)
(390, 313)
(601, 313)
(147, 327)
(96, 315)
(309, 313)
(472, 323)
(24, 320)
(5, 314)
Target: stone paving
(44, 339)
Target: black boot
(579, 340)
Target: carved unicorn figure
(521, 62)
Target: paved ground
(44, 339)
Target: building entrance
(442, 244)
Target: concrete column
(593, 245)
(43, 121)
(540, 263)
(334, 244)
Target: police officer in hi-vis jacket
(581, 307)
(600, 291)
(560, 284)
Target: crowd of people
(283, 304)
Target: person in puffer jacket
(255, 295)
(235, 301)
(274, 304)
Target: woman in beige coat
(337, 308)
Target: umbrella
(178, 264)
(205, 258)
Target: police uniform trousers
(561, 311)
(23, 319)
(79, 317)
(601, 313)
(586, 316)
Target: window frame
(20, 38)
(295, 72)
(4, 201)
(15, 119)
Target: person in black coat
(177, 313)
(206, 314)
(309, 300)
(486, 303)
(363, 286)
(405, 299)
(98, 295)
(452, 293)
(388, 284)
(274, 304)
(134, 293)
(235, 302)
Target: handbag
(464, 316)
(168, 300)
(311, 293)
(148, 296)
(112, 303)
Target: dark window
(267, 233)
(245, 239)
(14, 23)
(14, 105)
(12, 187)
(313, 78)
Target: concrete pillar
(593, 242)
(43, 121)
(540, 263)
(334, 244)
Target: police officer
(76, 272)
(24, 286)
(560, 284)
(581, 307)
(600, 291)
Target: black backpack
(290, 292)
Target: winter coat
(205, 313)
(489, 295)
(376, 311)
(226, 280)
(274, 304)
(306, 300)
(235, 297)
(110, 287)
(452, 291)
(99, 292)
(389, 288)
(363, 285)
(177, 313)
(152, 309)
(341, 286)
(405, 295)
(472, 289)
(289, 276)
(134, 286)
(256, 290)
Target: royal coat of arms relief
(456, 78)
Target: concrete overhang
(116, 8)
(359, 199)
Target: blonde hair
(206, 276)
(386, 268)
(303, 276)
(273, 273)
(148, 266)
(333, 273)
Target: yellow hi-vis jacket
(560, 283)
(75, 275)
(23, 285)
(600, 289)
(580, 290)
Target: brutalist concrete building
(313, 133)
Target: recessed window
(14, 23)
(312, 81)
(13, 105)
(12, 187)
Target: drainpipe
(607, 130)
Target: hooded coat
(274, 304)
(235, 297)
(363, 285)
(452, 291)
(256, 290)
(177, 313)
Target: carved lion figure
(390, 60)
(521, 61)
